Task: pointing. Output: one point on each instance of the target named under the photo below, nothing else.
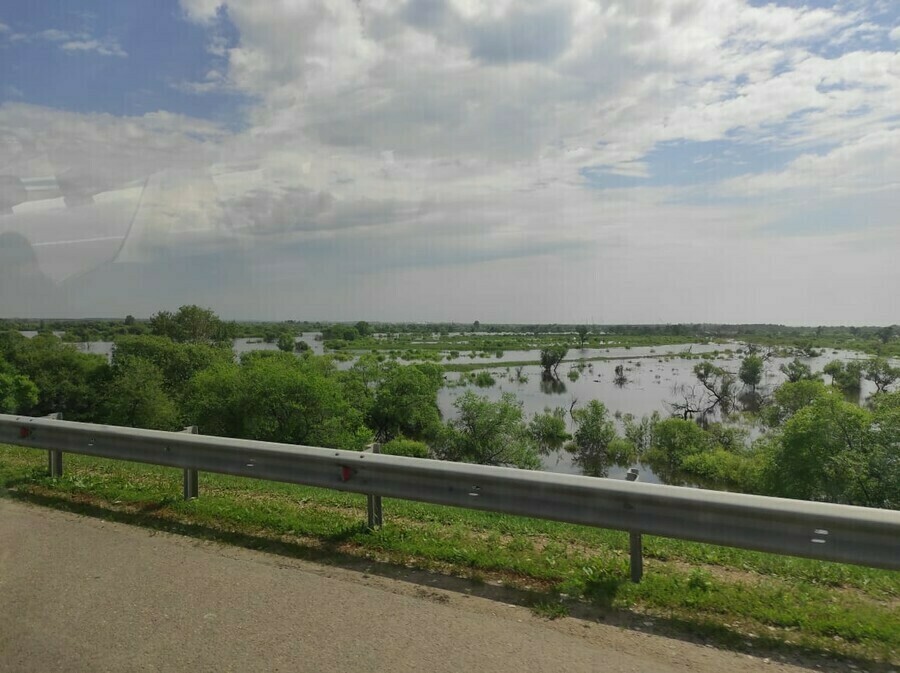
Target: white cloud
(895, 34)
(73, 41)
(105, 48)
(56, 35)
(212, 81)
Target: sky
(573, 161)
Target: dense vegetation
(178, 369)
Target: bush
(484, 380)
(675, 439)
(722, 468)
(405, 447)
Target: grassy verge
(744, 600)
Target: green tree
(640, 433)
(11, 342)
(845, 376)
(213, 399)
(789, 398)
(178, 362)
(489, 433)
(17, 392)
(673, 440)
(880, 372)
(190, 323)
(67, 381)
(286, 342)
(595, 443)
(550, 359)
(882, 484)
(796, 371)
(363, 328)
(549, 429)
(136, 397)
(274, 396)
(821, 453)
(582, 332)
(751, 371)
(405, 401)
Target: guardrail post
(373, 502)
(635, 541)
(54, 457)
(191, 476)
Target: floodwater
(586, 353)
(652, 382)
(247, 345)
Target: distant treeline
(884, 339)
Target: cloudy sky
(548, 160)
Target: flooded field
(654, 377)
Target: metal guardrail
(828, 532)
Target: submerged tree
(751, 371)
(716, 391)
(582, 332)
(286, 342)
(718, 384)
(845, 375)
(796, 371)
(549, 429)
(550, 359)
(880, 372)
(595, 443)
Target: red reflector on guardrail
(345, 473)
(24, 432)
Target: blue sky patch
(121, 58)
(689, 163)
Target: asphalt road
(82, 594)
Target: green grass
(550, 609)
(745, 600)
